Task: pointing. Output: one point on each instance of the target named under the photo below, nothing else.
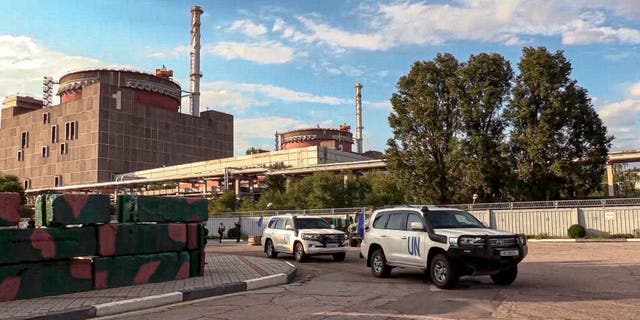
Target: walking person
(221, 229)
(238, 233)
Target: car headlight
(522, 239)
(471, 241)
(307, 236)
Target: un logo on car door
(413, 246)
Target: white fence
(249, 224)
(620, 219)
(555, 222)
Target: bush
(577, 231)
(233, 233)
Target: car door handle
(383, 236)
(403, 238)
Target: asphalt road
(556, 281)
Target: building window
(71, 132)
(20, 155)
(57, 181)
(25, 139)
(45, 151)
(54, 133)
(27, 184)
(46, 117)
(64, 148)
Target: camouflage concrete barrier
(67, 209)
(9, 208)
(133, 239)
(131, 208)
(30, 280)
(30, 245)
(197, 258)
(111, 272)
(195, 236)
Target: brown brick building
(109, 122)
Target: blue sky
(290, 64)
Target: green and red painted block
(111, 272)
(131, 208)
(31, 245)
(30, 280)
(132, 239)
(72, 209)
(9, 208)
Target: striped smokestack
(359, 117)
(195, 75)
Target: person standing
(238, 232)
(221, 229)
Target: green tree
(11, 183)
(625, 180)
(276, 182)
(250, 151)
(558, 143)
(383, 188)
(486, 83)
(426, 119)
(278, 200)
(226, 202)
(327, 190)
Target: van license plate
(509, 253)
(332, 245)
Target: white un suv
(446, 243)
(303, 236)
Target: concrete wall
(555, 222)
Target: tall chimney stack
(195, 75)
(359, 117)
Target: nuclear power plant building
(109, 122)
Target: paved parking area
(556, 281)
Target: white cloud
(24, 62)
(267, 91)
(248, 27)
(634, 90)
(507, 22)
(260, 131)
(621, 119)
(264, 52)
(617, 56)
(180, 50)
(386, 104)
(339, 38)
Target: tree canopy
(11, 183)
(464, 128)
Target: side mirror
(288, 227)
(333, 226)
(417, 226)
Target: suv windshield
(311, 223)
(453, 219)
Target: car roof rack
(423, 207)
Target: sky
(282, 65)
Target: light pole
(474, 197)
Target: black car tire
(270, 250)
(443, 273)
(298, 252)
(379, 266)
(506, 276)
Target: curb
(137, 304)
(583, 240)
(106, 309)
